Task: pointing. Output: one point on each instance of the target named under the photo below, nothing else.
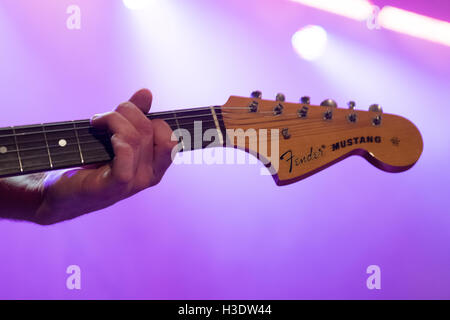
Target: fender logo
(312, 155)
(356, 140)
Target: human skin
(142, 154)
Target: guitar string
(100, 158)
(304, 125)
(79, 128)
(263, 140)
(187, 126)
(182, 124)
(175, 118)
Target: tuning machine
(330, 103)
(256, 95)
(303, 111)
(376, 121)
(352, 115)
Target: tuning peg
(280, 97)
(305, 100)
(256, 94)
(329, 103)
(351, 105)
(375, 108)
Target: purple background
(225, 231)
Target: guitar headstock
(313, 137)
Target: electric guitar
(293, 140)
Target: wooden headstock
(312, 137)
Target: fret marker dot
(62, 143)
(3, 150)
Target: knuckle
(122, 145)
(124, 177)
(147, 128)
(111, 115)
(125, 107)
(134, 139)
(127, 142)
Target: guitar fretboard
(58, 145)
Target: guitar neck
(59, 145)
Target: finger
(144, 127)
(137, 118)
(163, 146)
(125, 141)
(142, 99)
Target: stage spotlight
(354, 9)
(310, 42)
(136, 4)
(415, 25)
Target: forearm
(21, 196)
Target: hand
(142, 149)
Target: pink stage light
(415, 25)
(358, 10)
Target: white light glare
(354, 9)
(310, 42)
(415, 25)
(136, 4)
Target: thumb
(142, 99)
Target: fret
(95, 145)
(177, 124)
(17, 149)
(78, 142)
(31, 148)
(216, 122)
(46, 144)
(62, 145)
(196, 122)
(219, 115)
(9, 157)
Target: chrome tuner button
(278, 109)
(329, 103)
(375, 108)
(256, 94)
(351, 105)
(305, 100)
(280, 97)
(285, 133)
(376, 121)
